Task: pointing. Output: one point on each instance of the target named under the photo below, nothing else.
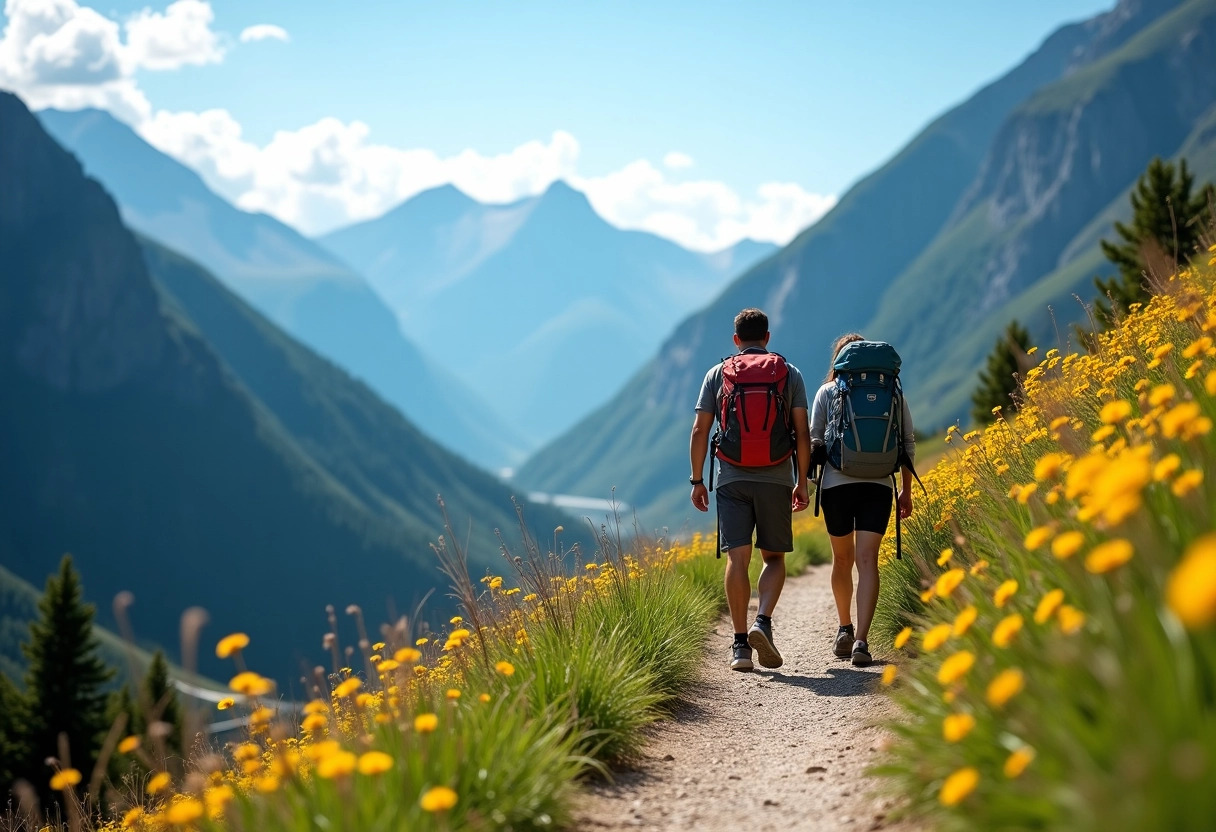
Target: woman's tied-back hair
(837, 345)
(751, 325)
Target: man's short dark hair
(751, 325)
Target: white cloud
(263, 31)
(677, 160)
(331, 173)
(181, 35)
(705, 215)
(56, 53)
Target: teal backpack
(865, 433)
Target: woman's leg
(866, 555)
(842, 577)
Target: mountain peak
(560, 192)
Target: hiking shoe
(861, 654)
(741, 658)
(844, 642)
(760, 636)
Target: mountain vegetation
(999, 378)
(303, 288)
(995, 211)
(1165, 230)
(139, 449)
(540, 304)
(63, 703)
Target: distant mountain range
(181, 446)
(993, 211)
(298, 284)
(540, 305)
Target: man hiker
(763, 448)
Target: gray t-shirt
(782, 473)
(819, 424)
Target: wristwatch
(691, 481)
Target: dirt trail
(770, 750)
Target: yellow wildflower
(955, 667)
(902, 637)
(426, 723)
(958, 785)
(336, 765)
(65, 779)
(231, 644)
(314, 722)
(1071, 619)
(159, 782)
(1067, 544)
(1109, 555)
(1050, 464)
(438, 799)
(132, 817)
(267, 784)
(888, 675)
(948, 581)
(1004, 592)
(1017, 762)
(483, 698)
(1006, 629)
(183, 811)
(1037, 537)
(956, 726)
(1048, 605)
(936, 637)
(963, 621)
(944, 557)
(1187, 482)
(225, 703)
(1162, 394)
(251, 684)
(407, 655)
(505, 668)
(1191, 590)
(348, 687)
(1165, 468)
(128, 745)
(453, 693)
(1007, 684)
(375, 762)
(978, 567)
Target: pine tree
(1166, 216)
(997, 380)
(158, 702)
(11, 748)
(65, 681)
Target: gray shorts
(761, 507)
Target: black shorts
(761, 507)
(860, 506)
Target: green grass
(1120, 711)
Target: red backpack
(753, 416)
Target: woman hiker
(856, 512)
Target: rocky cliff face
(1070, 150)
(77, 308)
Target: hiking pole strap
(899, 543)
(818, 486)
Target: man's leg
(867, 581)
(842, 577)
(738, 585)
(772, 579)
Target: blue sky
(805, 94)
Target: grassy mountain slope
(539, 304)
(19, 607)
(128, 442)
(1069, 154)
(298, 284)
(919, 212)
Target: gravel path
(769, 750)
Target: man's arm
(698, 447)
(802, 441)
